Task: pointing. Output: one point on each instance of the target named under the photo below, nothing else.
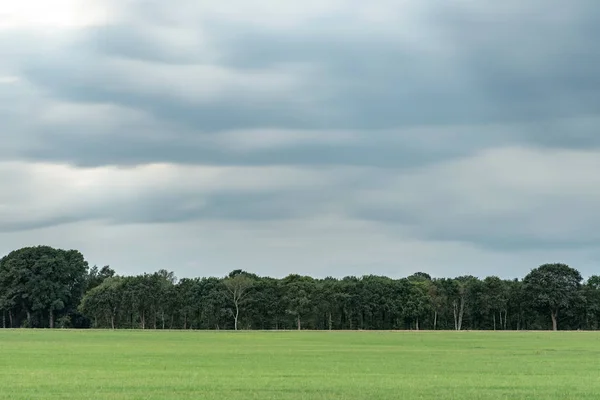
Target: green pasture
(89, 364)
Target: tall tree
(214, 304)
(187, 299)
(553, 287)
(417, 302)
(102, 302)
(238, 285)
(592, 296)
(43, 280)
(96, 276)
(495, 300)
(299, 291)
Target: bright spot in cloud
(7, 80)
(52, 14)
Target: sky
(322, 137)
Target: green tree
(96, 276)
(437, 299)
(417, 302)
(186, 299)
(103, 302)
(238, 285)
(214, 304)
(591, 292)
(495, 299)
(43, 280)
(161, 284)
(299, 291)
(553, 287)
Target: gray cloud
(465, 131)
(458, 66)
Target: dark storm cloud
(486, 68)
(511, 231)
(495, 68)
(81, 85)
(460, 80)
(17, 226)
(235, 206)
(125, 150)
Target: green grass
(298, 365)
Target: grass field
(298, 365)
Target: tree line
(44, 287)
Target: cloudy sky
(321, 137)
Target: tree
(592, 296)
(187, 299)
(437, 298)
(417, 302)
(161, 284)
(264, 308)
(419, 277)
(103, 301)
(553, 287)
(214, 304)
(299, 291)
(44, 287)
(96, 276)
(495, 299)
(327, 301)
(7, 304)
(43, 280)
(238, 285)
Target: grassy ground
(306, 365)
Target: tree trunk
(29, 319)
(362, 320)
(330, 321)
(350, 325)
(494, 315)
(112, 321)
(237, 313)
(299, 326)
(554, 314)
(10, 319)
(51, 318)
(4, 319)
(455, 311)
(417, 324)
(435, 320)
(461, 313)
(184, 321)
(143, 319)
(501, 324)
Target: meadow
(96, 364)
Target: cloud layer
(327, 138)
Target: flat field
(64, 364)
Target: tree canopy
(553, 287)
(46, 287)
(42, 280)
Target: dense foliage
(46, 287)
